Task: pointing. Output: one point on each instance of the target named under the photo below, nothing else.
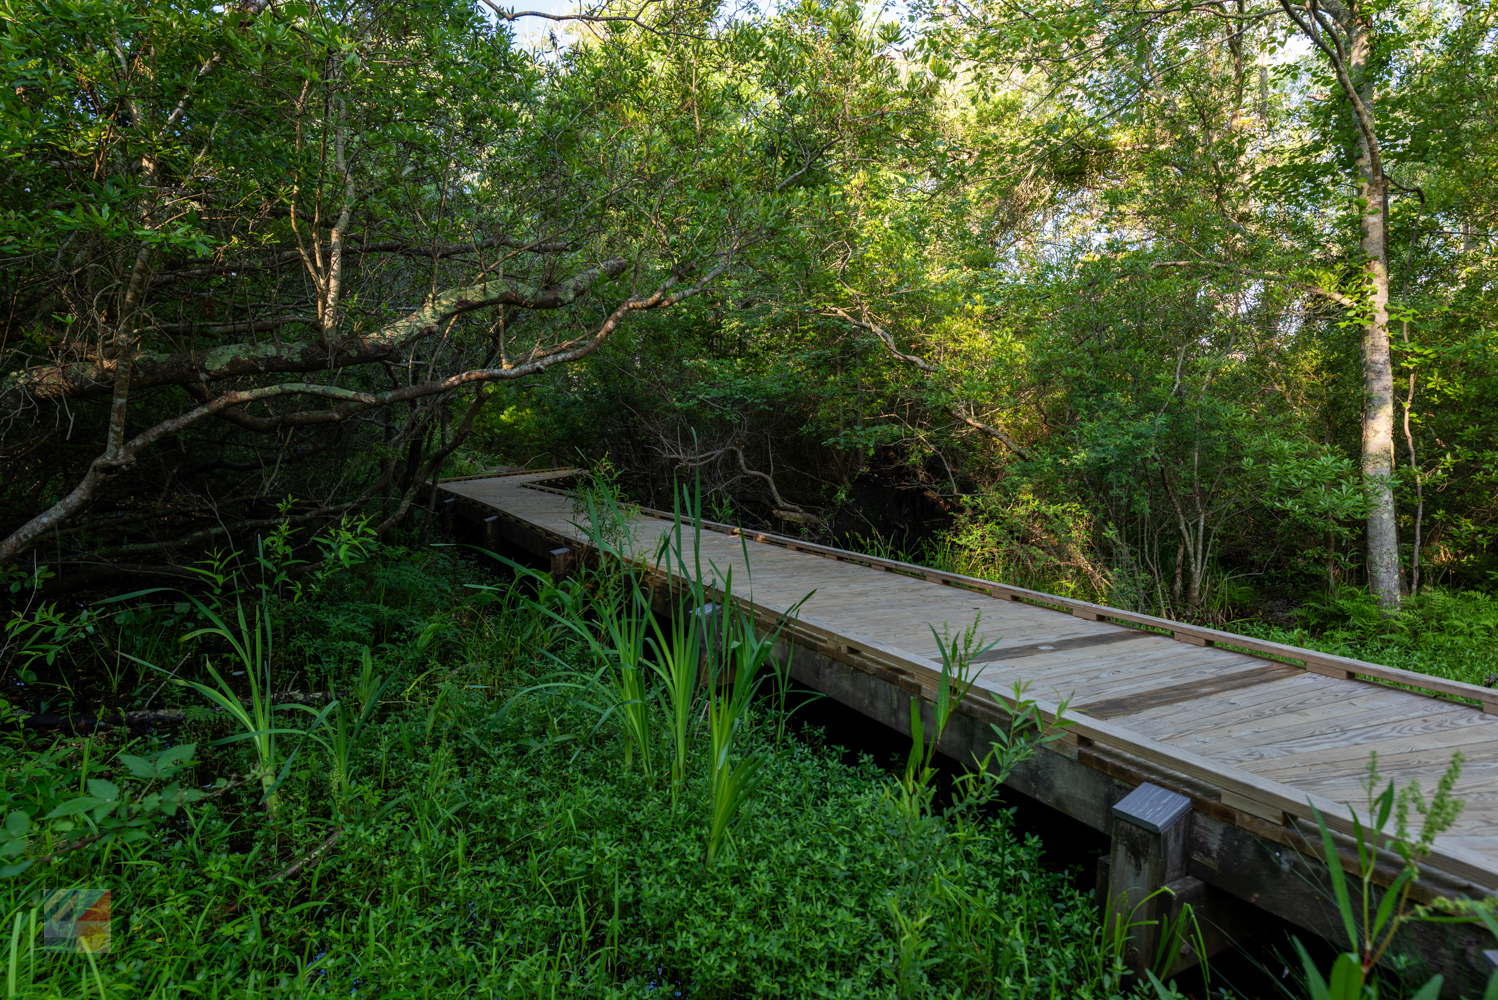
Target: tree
(1343, 35)
(195, 185)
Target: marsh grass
(251, 640)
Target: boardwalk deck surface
(1270, 736)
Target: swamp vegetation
(1183, 309)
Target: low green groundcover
(509, 854)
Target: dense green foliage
(1448, 634)
(487, 833)
(1090, 303)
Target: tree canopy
(1130, 299)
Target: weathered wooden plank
(1357, 731)
(1091, 676)
(1333, 723)
(1395, 755)
(1299, 700)
(1130, 704)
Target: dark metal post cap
(1154, 808)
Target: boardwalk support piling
(1151, 834)
(561, 564)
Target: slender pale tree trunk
(1339, 28)
(1378, 373)
(1378, 406)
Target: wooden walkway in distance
(1267, 735)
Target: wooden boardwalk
(1264, 735)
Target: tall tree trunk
(1343, 38)
(1378, 374)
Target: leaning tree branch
(1345, 301)
(434, 461)
(111, 462)
(96, 376)
(1338, 59)
(781, 507)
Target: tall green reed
(251, 639)
(714, 646)
(708, 654)
(343, 733)
(1372, 922)
(741, 654)
(955, 683)
(679, 647)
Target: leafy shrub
(1444, 633)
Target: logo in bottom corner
(77, 920)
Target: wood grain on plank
(1402, 758)
(1309, 698)
(1336, 721)
(1118, 707)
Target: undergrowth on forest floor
(514, 790)
(1438, 632)
(453, 825)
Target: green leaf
(1432, 989)
(1314, 981)
(18, 824)
(139, 766)
(1162, 992)
(1339, 880)
(72, 807)
(1391, 895)
(106, 791)
(175, 756)
(1347, 978)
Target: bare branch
(635, 19)
(958, 410)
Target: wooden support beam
(1151, 833)
(561, 564)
